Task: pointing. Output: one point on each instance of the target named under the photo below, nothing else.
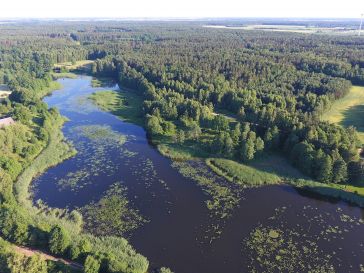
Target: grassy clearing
(349, 111)
(185, 151)
(4, 91)
(189, 149)
(124, 104)
(227, 114)
(68, 75)
(83, 64)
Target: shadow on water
(177, 234)
(317, 196)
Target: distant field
(349, 111)
(291, 28)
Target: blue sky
(181, 8)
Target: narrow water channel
(175, 235)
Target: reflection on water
(176, 234)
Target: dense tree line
(277, 84)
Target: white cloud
(181, 8)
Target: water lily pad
(273, 234)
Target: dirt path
(30, 252)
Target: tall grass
(242, 174)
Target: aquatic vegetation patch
(100, 132)
(112, 214)
(145, 172)
(223, 198)
(93, 143)
(282, 251)
(283, 245)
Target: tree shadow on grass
(278, 165)
(354, 116)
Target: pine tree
(324, 169)
(339, 172)
(259, 144)
(235, 134)
(228, 146)
(248, 150)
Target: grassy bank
(267, 169)
(241, 174)
(180, 152)
(56, 151)
(124, 104)
(348, 111)
(274, 169)
(48, 90)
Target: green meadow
(349, 111)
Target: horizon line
(83, 18)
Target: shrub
(91, 265)
(59, 240)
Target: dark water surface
(175, 235)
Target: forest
(237, 95)
(276, 86)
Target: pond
(318, 233)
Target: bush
(14, 224)
(91, 265)
(59, 240)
